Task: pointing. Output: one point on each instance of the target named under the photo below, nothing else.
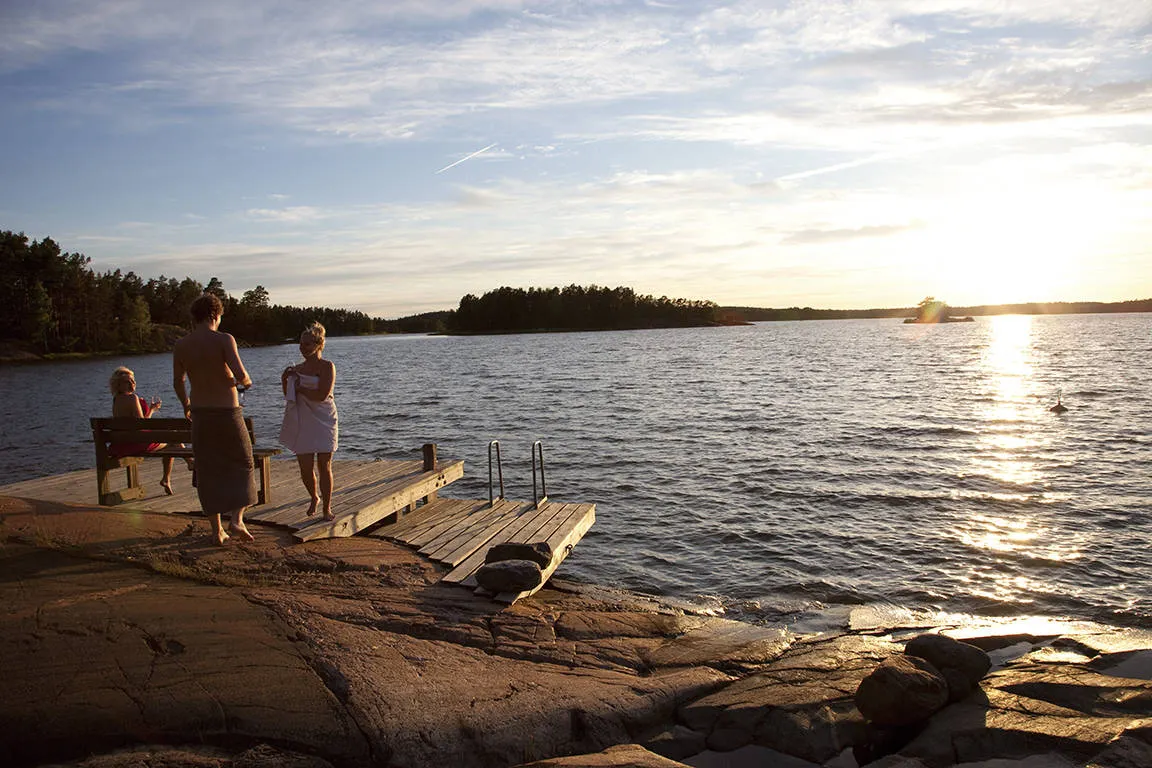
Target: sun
(1014, 242)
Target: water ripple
(774, 472)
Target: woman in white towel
(310, 427)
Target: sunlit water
(775, 472)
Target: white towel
(310, 426)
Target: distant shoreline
(761, 314)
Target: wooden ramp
(366, 493)
(459, 533)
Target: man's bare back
(211, 362)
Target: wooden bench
(133, 431)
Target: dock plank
(422, 516)
(388, 502)
(464, 518)
(374, 487)
(451, 550)
(517, 529)
(447, 516)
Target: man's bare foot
(240, 530)
(328, 512)
(312, 506)
(221, 537)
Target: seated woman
(125, 402)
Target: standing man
(220, 442)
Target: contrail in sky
(469, 157)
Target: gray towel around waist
(223, 451)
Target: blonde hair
(118, 376)
(315, 334)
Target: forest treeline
(577, 307)
(53, 302)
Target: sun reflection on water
(1006, 548)
(1006, 439)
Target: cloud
(382, 72)
(293, 214)
(819, 236)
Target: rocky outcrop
(801, 704)
(122, 629)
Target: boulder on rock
(619, 756)
(509, 576)
(539, 552)
(677, 742)
(962, 665)
(901, 691)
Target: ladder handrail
(499, 470)
(537, 500)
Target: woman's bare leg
(324, 469)
(308, 476)
(166, 481)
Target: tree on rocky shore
(577, 308)
(53, 302)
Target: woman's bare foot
(328, 511)
(312, 506)
(167, 486)
(239, 529)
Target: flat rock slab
(101, 654)
(621, 756)
(735, 645)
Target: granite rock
(509, 576)
(962, 665)
(901, 691)
(539, 552)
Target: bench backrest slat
(129, 429)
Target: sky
(392, 156)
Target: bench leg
(110, 498)
(103, 487)
(265, 493)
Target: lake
(781, 472)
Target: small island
(930, 310)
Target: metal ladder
(538, 496)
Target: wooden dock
(390, 499)
(459, 533)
